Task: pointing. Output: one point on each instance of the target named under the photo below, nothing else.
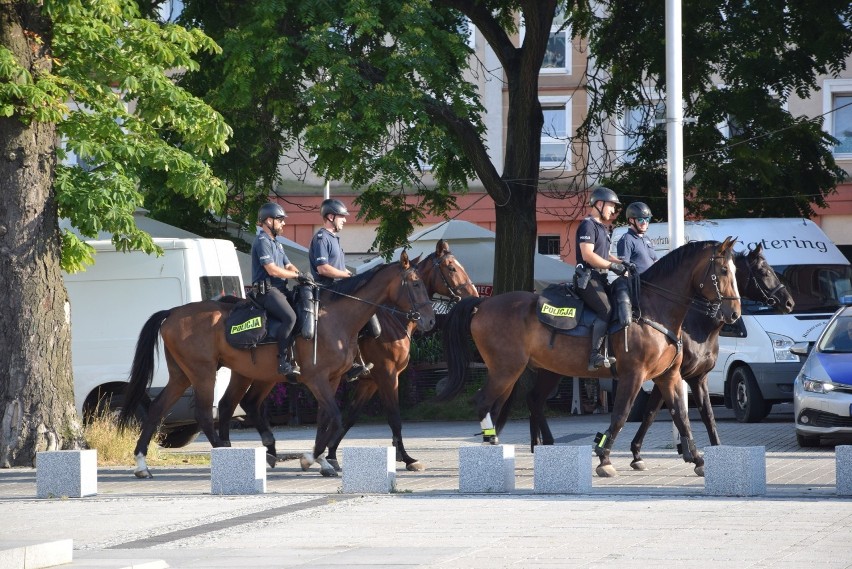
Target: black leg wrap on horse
(687, 446)
(268, 439)
(603, 444)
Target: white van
(755, 368)
(113, 298)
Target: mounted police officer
(593, 263)
(328, 261)
(270, 269)
(634, 247)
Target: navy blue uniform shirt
(325, 250)
(636, 249)
(594, 232)
(266, 250)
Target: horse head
(411, 294)
(719, 284)
(757, 281)
(445, 275)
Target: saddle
(561, 309)
(249, 325)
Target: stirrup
(597, 361)
(287, 369)
(357, 370)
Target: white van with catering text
(113, 298)
(755, 368)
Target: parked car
(822, 392)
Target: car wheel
(108, 401)
(749, 406)
(806, 441)
(179, 436)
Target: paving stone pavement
(660, 516)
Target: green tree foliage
(742, 61)
(117, 109)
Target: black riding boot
(596, 358)
(284, 366)
(358, 368)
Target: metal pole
(674, 136)
(326, 192)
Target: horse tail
(142, 370)
(457, 346)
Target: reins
(412, 315)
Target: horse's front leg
(652, 406)
(540, 434)
(364, 390)
(628, 387)
(701, 393)
(669, 387)
(329, 422)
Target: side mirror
(801, 348)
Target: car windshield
(838, 336)
(815, 288)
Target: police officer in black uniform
(328, 262)
(270, 270)
(634, 247)
(593, 262)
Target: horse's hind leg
(544, 385)
(652, 407)
(165, 400)
(228, 403)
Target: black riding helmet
(334, 207)
(268, 210)
(637, 209)
(603, 194)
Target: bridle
(769, 297)
(437, 264)
(714, 307)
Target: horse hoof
(490, 440)
(606, 471)
(699, 470)
(415, 466)
(333, 462)
(638, 465)
(271, 459)
(328, 472)
(143, 473)
(305, 463)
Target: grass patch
(115, 445)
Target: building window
(549, 245)
(557, 57)
(637, 123)
(837, 104)
(554, 132)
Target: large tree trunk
(36, 384)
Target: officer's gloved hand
(631, 267)
(305, 279)
(618, 268)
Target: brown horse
(442, 274)
(649, 348)
(756, 281)
(195, 346)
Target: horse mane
(669, 263)
(352, 284)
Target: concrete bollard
(369, 469)
(734, 471)
(237, 471)
(488, 468)
(843, 470)
(562, 469)
(66, 473)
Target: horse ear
(403, 260)
(759, 249)
(442, 248)
(416, 260)
(726, 245)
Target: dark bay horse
(442, 274)
(756, 281)
(195, 346)
(509, 337)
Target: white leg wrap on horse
(141, 464)
(488, 429)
